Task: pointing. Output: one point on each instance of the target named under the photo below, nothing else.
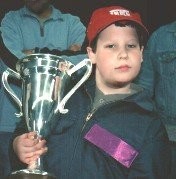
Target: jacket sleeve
(11, 35)
(146, 77)
(7, 57)
(154, 159)
(76, 30)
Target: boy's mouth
(123, 67)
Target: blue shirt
(158, 74)
(22, 30)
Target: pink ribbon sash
(112, 145)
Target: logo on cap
(120, 12)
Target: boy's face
(117, 57)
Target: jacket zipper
(90, 114)
(42, 25)
(42, 29)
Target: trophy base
(30, 174)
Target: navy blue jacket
(71, 156)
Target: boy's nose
(123, 54)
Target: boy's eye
(131, 46)
(110, 46)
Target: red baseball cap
(103, 17)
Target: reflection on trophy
(45, 80)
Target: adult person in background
(39, 25)
(36, 27)
(158, 75)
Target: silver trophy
(45, 80)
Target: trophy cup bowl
(45, 80)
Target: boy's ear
(91, 55)
(142, 49)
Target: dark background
(154, 12)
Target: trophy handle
(5, 75)
(88, 64)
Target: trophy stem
(37, 165)
(34, 171)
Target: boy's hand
(28, 52)
(28, 147)
(75, 47)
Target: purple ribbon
(112, 145)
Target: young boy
(110, 130)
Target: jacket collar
(141, 98)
